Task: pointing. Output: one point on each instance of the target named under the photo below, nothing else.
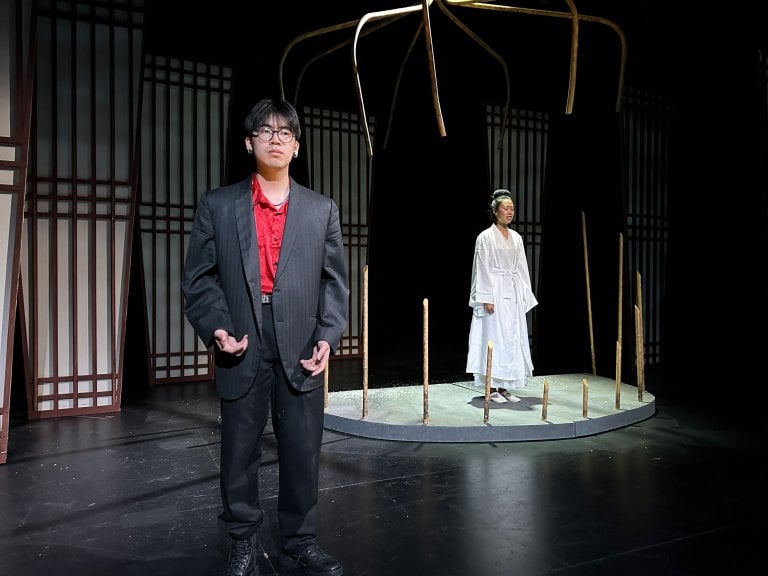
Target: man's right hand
(228, 344)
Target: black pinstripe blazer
(222, 286)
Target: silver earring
(296, 154)
(249, 150)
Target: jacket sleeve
(334, 285)
(205, 305)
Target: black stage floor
(136, 494)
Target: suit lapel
(293, 223)
(246, 236)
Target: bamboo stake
(325, 384)
(487, 402)
(425, 419)
(621, 290)
(639, 354)
(589, 296)
(584, 397)
(618, 375)
(545, 401)
(640, 345)
(365, 341)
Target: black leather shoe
(240, 561)
(313, 560)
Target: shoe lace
(239, 556)
(314, 552)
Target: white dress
(500, 277)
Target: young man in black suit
(265, 285)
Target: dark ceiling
(662, 43)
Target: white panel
(7, 82)
(122, 246)
(7, 154)
(63, 294)
(175, 311)
(147, 247)
(41, 262)
(24, 288)
(63, 103)
(161, 291)
(122, 95)
(100, 75)
(158, 131)
(103, 282)
(83, 247)
(7, 222)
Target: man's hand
(320, 354)
(228, 344)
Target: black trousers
(297, 421)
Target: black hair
(496, 198)
(268, 108)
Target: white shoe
(498, 398)
(508, 395)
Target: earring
(296, 154)
(249, 150)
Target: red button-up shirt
(270, 223)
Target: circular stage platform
(456, 411)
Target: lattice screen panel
(184, 153)
(79, 205)
(340, 167)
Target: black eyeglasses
(265, 133)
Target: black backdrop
(429, 192)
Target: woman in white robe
(500, 297)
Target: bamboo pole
(618, 375)
(589, 295)
(640, 344)
(355, 68)
(431, 65)
(620, 309)
(584, 397)
(487, 401)
(639, 360)
(365, 341)
(574, 55)
(425, 360)
(325, 384)
(545, 401)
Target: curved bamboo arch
(573, 15)
(393, 14)
(423, 7)
(314, 59)
(492, 52)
